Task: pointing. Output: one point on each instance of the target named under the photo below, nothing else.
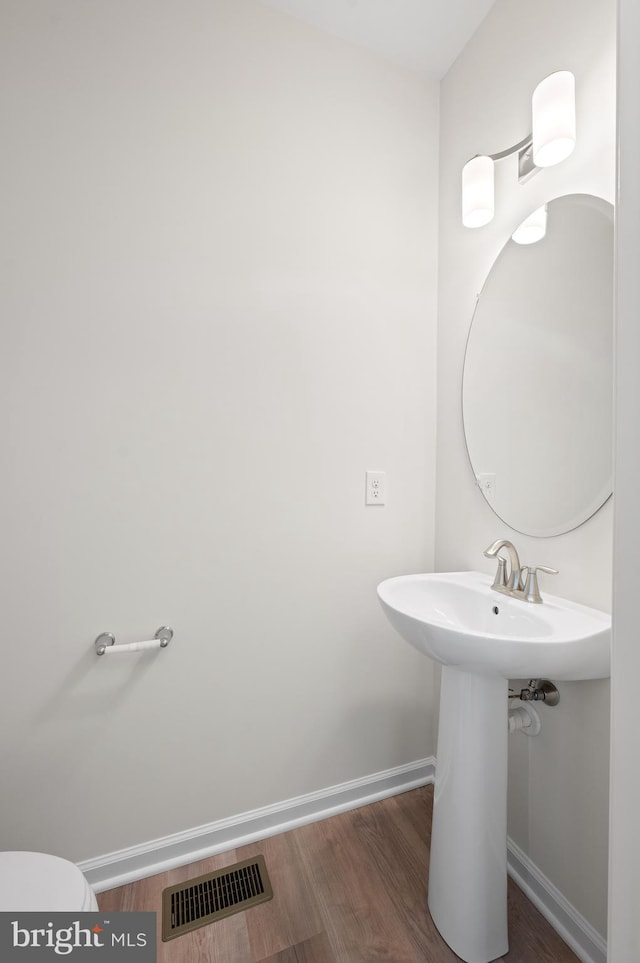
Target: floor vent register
(207, 899)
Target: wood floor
(350, 889)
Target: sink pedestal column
(468, 865)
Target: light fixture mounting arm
(524, 149)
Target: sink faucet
(515, 584)
(501, 583)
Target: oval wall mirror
(537, 386)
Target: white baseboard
(574, 929)
(159, 855)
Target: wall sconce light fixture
(533, 228)
(553, 137)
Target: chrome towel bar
(106, 642)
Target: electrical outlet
(486, 482)
(376, 488)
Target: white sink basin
(457, 619)
(483, 638)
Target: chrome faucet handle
(530, 584)
(500, 580)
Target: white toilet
(36, 882)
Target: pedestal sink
(483, 638)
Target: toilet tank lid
(31, 882)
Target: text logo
(33, 937)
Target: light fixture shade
(478, 194)
(554, 118)
(533, 228)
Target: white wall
(558, 801)
(624, 934)
(218, 301)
